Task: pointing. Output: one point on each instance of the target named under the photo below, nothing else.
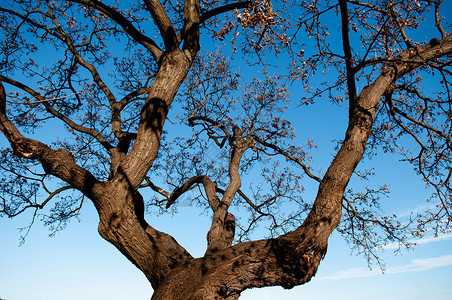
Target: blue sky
(78, 264)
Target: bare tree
(114, 73)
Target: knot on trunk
(221, 235)
(23, 149)
(56, 160)
(299, 263)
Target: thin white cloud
(413, 212)
(417, 265)
(423, 264)
(351, 273)
(423, 241)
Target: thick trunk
(230, 271)
(172, 71)
(122, 224)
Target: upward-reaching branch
(347, 52)
(438, 19)
(174, 67)
(163, 23)
(45, 102)
(223, 9)
(59, 163)
(190, 31)
(128, 27)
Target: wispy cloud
(350, 273)
(423, 264)
(423, 241)
(416, 210)
(416, 265)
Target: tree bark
(172, 71)
(122, 224)
(121, 208)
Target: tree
(118, 69)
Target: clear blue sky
(79, 264)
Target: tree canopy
(87, 89)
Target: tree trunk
(122, 224)
(121, 208)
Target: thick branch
(122, 223)
(221, 233)
(173, 69)
(163, 23)
(348, 52)
(90, 131)
(190, 31)
(59, 163)
(331, 190)
(125, 24)
(223, 9)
